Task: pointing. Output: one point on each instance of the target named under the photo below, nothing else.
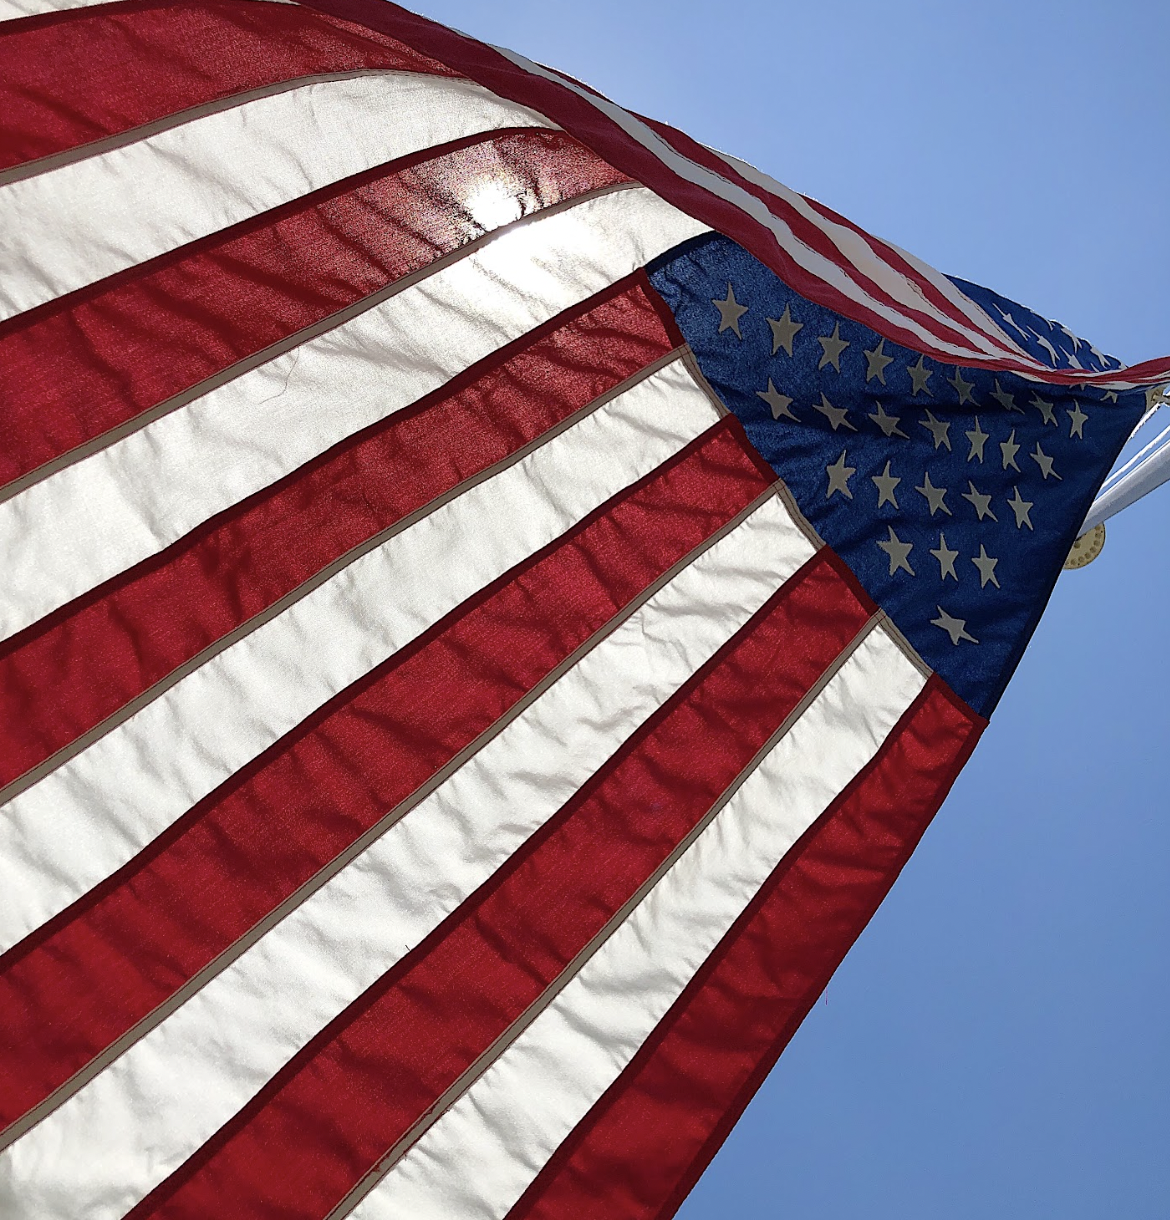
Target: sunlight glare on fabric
(529, 256)
(492, 204)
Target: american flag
(493, 593)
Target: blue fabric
(1043, 340)
(998, 604)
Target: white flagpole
(1140, 476)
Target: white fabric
(145, 1113)
(77, 224)
(816, 264)
(90, 521)
(477, 1160)
(135, 1122)
(84, 820)
(10, 10)
(857, 250)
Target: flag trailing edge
(494, 593)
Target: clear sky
(996, 1045)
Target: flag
(494, 591)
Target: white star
(1005, 399)
(886, 483)
(1044, 343)
(962, 388)
(1007, 317)
(730, 311)
(920, 375)
(876, 362)
(832, 346)
(982, 503)
(835, 415)
(1009, 449)
(1021, 508)
(1045, 408)
(1103, 361)
(839, 476)
(938, 429)
(978, 439)
(898, 551)
(780, 403)
(1078, 417)
(784, 330)
(956, 628)
(1044, 462)
(1111, 396)
(935, 496)
(986, 566)
(888, 423)
(946, 559)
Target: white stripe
(10, 10)
(71, 226)
(989, 336)
(87, 818)
(90, 521)
(825, 270)
(476, 1161)
(135, 1122)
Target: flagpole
(1147, 471)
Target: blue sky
(996, 1043)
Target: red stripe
(896, 259)
(575, 114)
(642, 1147)
(72, 669)
(107, 70)
(91, 360)
(388, 1058)
(817, 239)
(86, 977)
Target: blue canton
(1046, 341)
(954, 494)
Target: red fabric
(642, 1147)
(387, 1059)
(95, 358)
(493, 70)
(576, 115)
(103, 71)
(87, 976)
(105, 648)
(816, 239)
